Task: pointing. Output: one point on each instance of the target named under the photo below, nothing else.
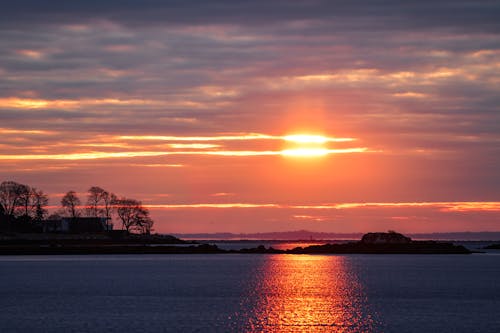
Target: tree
(94, 199)
(24, 202)
(2, 215)
(70, 203)
(100, 202)
(145, 224)
(12, 196)
(39, 202)
(108, 201)
(133, 215)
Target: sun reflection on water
(303, 293)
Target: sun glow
(305, 152)
(318, 139)
(112, 146)
(309, 145)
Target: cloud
(108, 147)
(91, 89)
(409, 14)
(460, 206)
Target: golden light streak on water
(307, 293)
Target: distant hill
(283, 235)
(308, 235)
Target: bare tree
(94, 199)
(24, 203)
(144, 225)
(12, 196)
(126, 210)
(108, 202)
(133, 215)
(100, 202)
(39, 201)
(70, 203)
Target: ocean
(250, 293)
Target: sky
(248, 116)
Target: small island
(374, 243)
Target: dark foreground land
(372, 243)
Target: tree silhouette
(94, 198)
(100, 202)
(144, 225)
(133, 215)
(24, 202)
(108, 202)
(39, 202)
(70, 203)
(12, 196)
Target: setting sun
(306, 145)
(307, 138)
(304, 138)
(305, 152)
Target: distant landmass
(312, 235)
(373, 243)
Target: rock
(385, 238)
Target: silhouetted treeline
(24, 209)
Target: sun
(305, 152)
(306, 138)
(305, 145)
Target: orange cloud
(21, 131)
(300, 138)
(31, 103)
(192, 145)
(236, 153)
(212, 205)
(108, 146)
(443, 206)
(33, 54)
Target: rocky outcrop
(385, 238)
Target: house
(55, 226)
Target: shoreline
(347, 248)
(370, 243)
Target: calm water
(250, 293)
